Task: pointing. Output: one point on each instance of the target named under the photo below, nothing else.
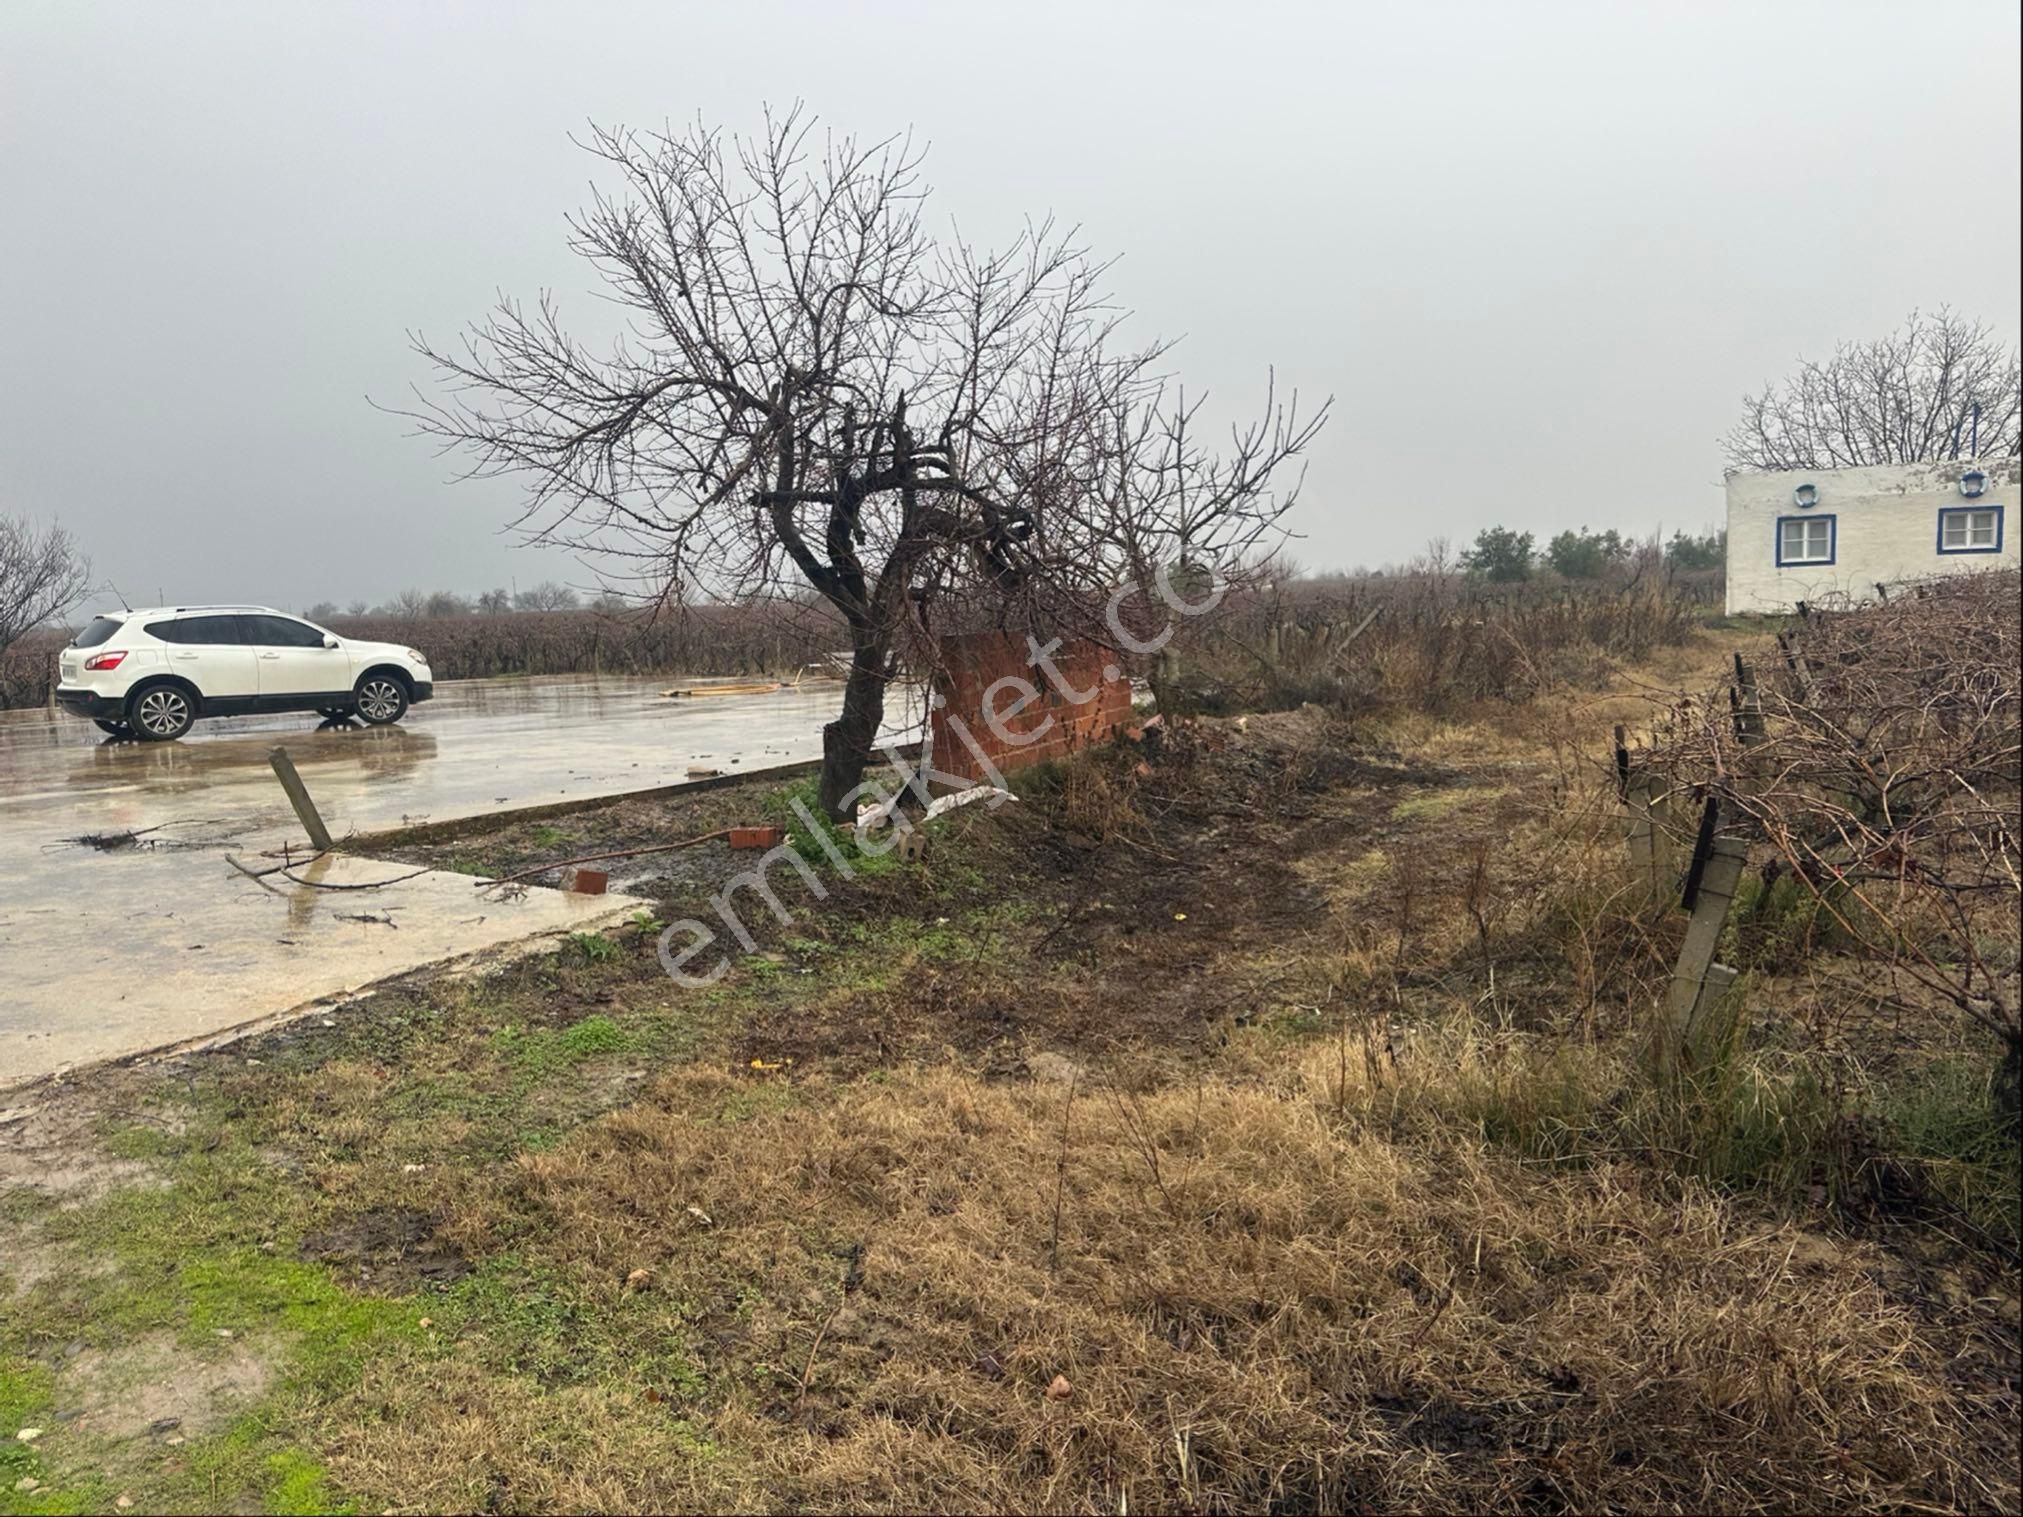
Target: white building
(1800, 536)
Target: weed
(592, 947)
(840, 841)
(1947, 1115)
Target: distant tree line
(1500, 555)
(1504, 556)
(418, 605)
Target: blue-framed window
(1970, 529)
(1805, 540)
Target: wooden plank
(298, 797)
(754, 687)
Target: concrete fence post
(1747, 701)
(1698, 982)
(1638, 828)
(1648, 828)
(298, 797)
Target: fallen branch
(140, 837)
(286, 871)
(261, 874)
(362, 885)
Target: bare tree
(546, 596)
(1919, 395)
(812, 385)
(495, 602)
(445, 603)
(41, 575)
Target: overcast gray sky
(1535, 251)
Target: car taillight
(105, 660)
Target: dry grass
(1256, 1296)
(1300, 1133)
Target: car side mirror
(329, 641)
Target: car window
(211, 631)
(280, 632)
(100, 629)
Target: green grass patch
(1946, 1115)
(27, 1392)
(522, 1317)
(543, 1050)
(298, 1486)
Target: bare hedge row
(1436, 641)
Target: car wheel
(111, 729)
(160, 713)
(382, 698)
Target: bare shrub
(1940, 386)
(41, 575)
(1436, 640)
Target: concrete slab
(104, 954)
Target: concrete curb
(479, 822)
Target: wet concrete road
(105, 954)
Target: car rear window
(100, 630)
(211, 630)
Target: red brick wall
(971, 664)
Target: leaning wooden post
(298, 797)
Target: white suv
(149, 674)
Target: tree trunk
(846, 742)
